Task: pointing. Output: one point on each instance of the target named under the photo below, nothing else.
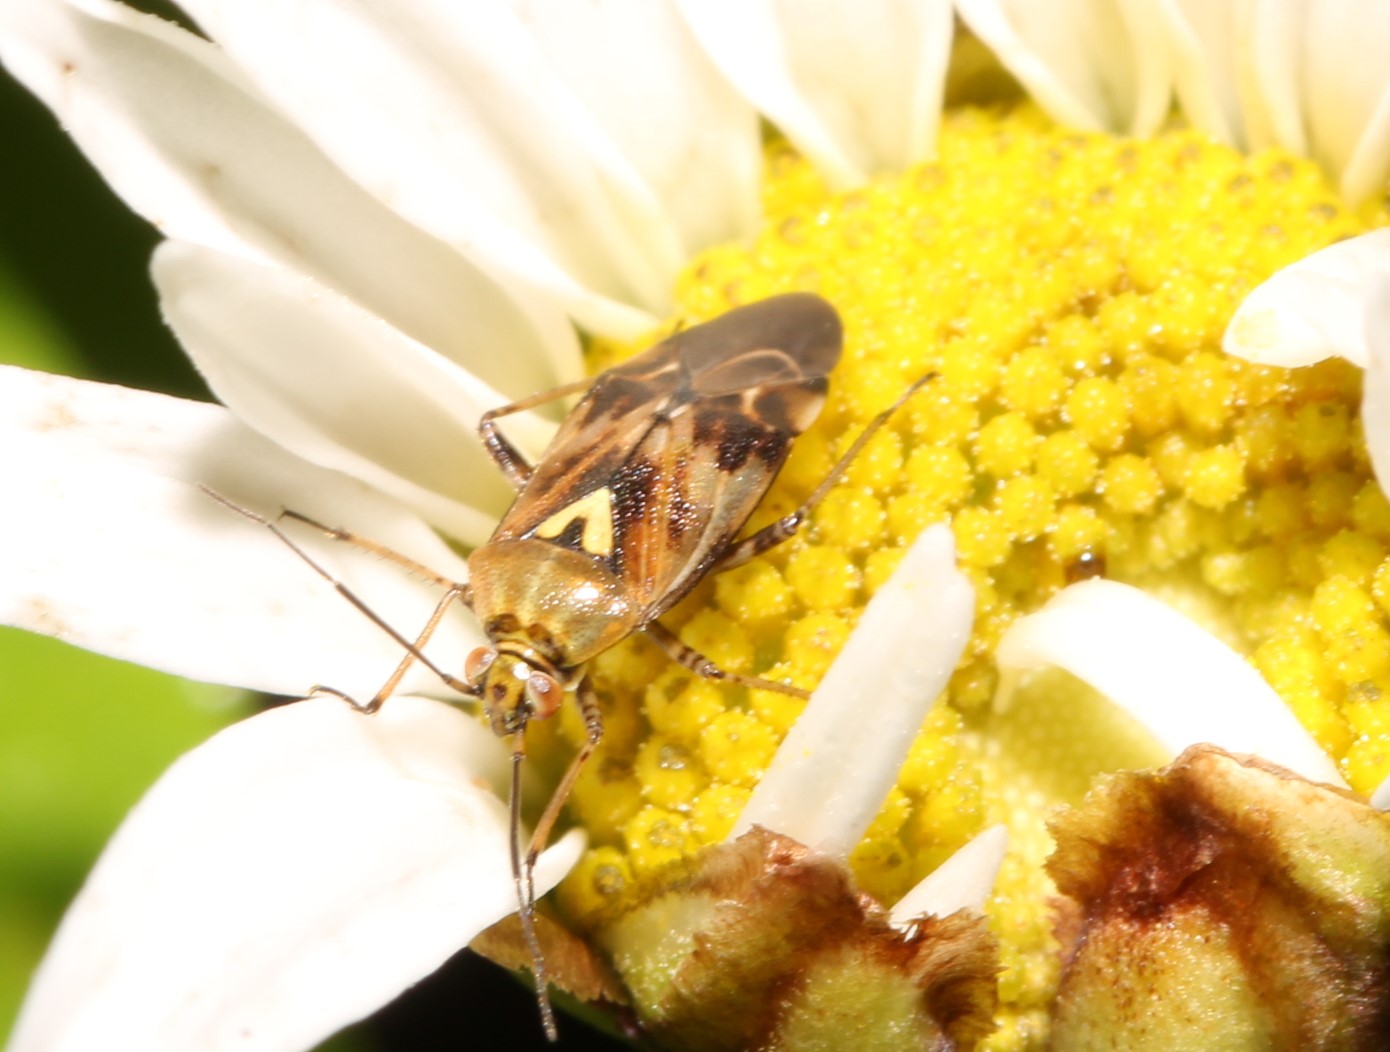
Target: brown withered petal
(761, 943)
(569, 961)
(1223, 903)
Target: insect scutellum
(641, 494)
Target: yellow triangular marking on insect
(596, 511)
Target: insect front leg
(593, 730)
(507, 456)
(413, 652)
(702, 666)
(524, 868)
(787, 526)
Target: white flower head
(381, 221)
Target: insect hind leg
(507, 457)
(785, 528)
(702, 666)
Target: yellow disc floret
(1215, 476)
(737, 747)
(1067, 462)
(1006, 445)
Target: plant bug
(641, 493)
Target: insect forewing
(659, 466)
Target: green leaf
(28, 335)
(81, 738)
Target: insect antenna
(522, 864)
(524, 875)
(412, 647)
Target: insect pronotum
(641, 493)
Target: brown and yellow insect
(642, 492)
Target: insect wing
(659, 466)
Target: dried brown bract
(762, 943)
(1224, 902)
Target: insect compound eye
(544, 693)
(477, 663)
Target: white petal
(636, 68)
(189, 145)
(1313, 309)
(1380, 799)
(1207, 39)
(338, 386)
(1091, 64)
(1368, 168)
(1178, 680)
(286, 878)
(836, 765)
(449, 114)
(1308, 76)
(963, 882)
(1375, 392)
(107, 543)
(856, 87)
(1268, 66)
(1346, 88)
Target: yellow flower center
(1071, 292)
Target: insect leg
(703, 666)
(593, 729)
(507, 456)
(413, 651)
(785, 528)
(524, 870)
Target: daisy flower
(362, 202)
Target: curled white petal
(1313, 309)
(963, 882)
(108, 544)
(190, 145)
(857, 87)
(338, 386)
(1175, 678)
(1091, 64)
(289, 876)
(838, 762)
